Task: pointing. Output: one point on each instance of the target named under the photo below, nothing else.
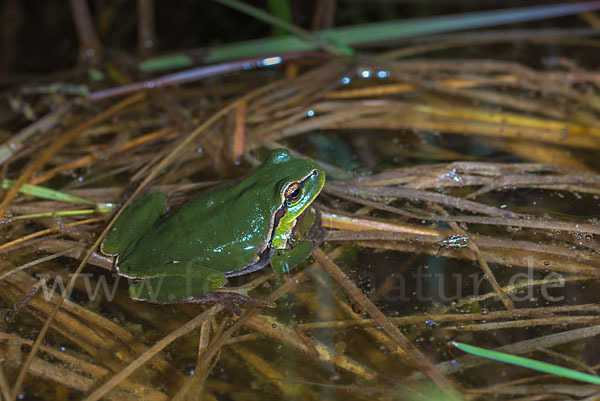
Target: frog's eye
(293, 193)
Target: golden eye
(293, 193)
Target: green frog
(186, 255)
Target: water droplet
(272, 61)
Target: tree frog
(236, 229)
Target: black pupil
(294, 195)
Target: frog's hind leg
(133, 222)
(178, 286)
(188, 283)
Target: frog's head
(297, 184)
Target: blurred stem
(90, 48)
(324, 15)
(146, 28)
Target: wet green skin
(231, 231)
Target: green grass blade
(528, 363)
(60, 213)
(168, 62)
(391, 30)
(315, 41)
(47, 193)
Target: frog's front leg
(285, 260)
(311, 232)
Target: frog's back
(227, 229)
(222, 230)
